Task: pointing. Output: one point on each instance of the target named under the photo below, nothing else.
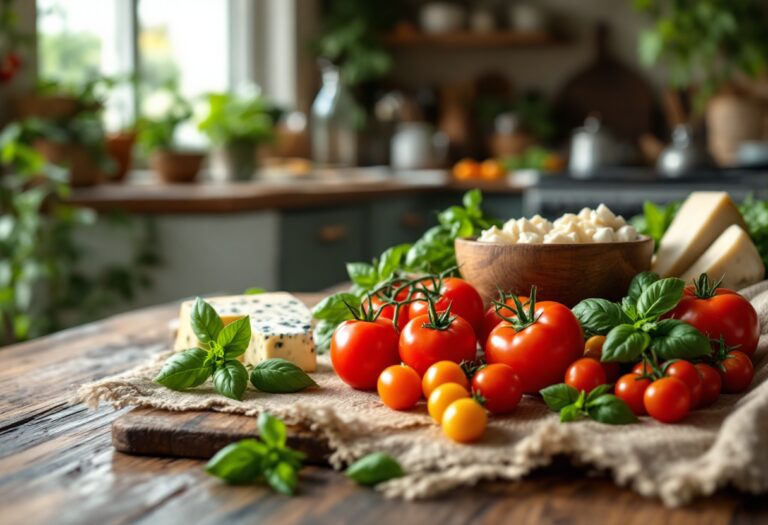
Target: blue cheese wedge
(281, 326)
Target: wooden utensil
(566, 273)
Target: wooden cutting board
(151, 432)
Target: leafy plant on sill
(157, 133)
(42, 287)
(705, 41)
(245, 118)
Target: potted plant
(236, 125)
(711, 45)
(156, 138)
(120, 148)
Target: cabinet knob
(332, 233)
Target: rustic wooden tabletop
(57, 464)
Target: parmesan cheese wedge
(702, 218)
(732, 257)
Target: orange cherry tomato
(593, 348)
(630, 388)
(440, 373)
(399, 387)
(442, 397)
(499, 386)
(688, 374)
(712, 384)
(585, 375)
(464, 421)
(667, 399)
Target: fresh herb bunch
(157, 133)
(755, 213)
(265, 459)
(655, 220)
(216, 356)
(239, 118)
(599, 404)
(634, 328)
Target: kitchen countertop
(316, 190)
(57, 464)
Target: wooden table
(57, 464)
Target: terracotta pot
(83, 169)
(120, 148)
(54, 107)
(732, 120)
(176, 166)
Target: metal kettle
(592, 148)
(683, 156)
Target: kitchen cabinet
(397, 221)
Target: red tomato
(460, 295)
(726, 314)
(631, 388)
(499, 386)
(541, 352)
(688, 374)
(642, 368)
(388, 311)
(361, 350)
(737, 372)
(491, 319)
(586, 374)
(711, 382)
(421, 346)
(667, 400)
(399, 387)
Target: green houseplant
(157, 140)
(235, 125)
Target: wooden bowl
(566, 273)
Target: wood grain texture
(566, 273)
(58, 466)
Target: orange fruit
(466, 169)
(492, 170)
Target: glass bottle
(334, 118)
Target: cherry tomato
(399, 387)
(441, 397)
(630, 388)
(499, 385)
(726, 314)
(711, 382)
(541, 352)
(388, 311)
(667, 399)
(460, 295)
(593, 348)
(491, 319)
(440, 373)
(421, 346)
(688, 374)
(361, 350)
(737, 372)
(642, 368)
(464, 421)
(586, 374)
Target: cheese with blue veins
(281, 326)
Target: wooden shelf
(471, 40)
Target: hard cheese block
(702, 218)
(732, 257)
(281, 326)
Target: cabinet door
(315, 246)
(397, 221)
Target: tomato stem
(521, 319)
(704, 288)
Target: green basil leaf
(611, 410)
(597, 392)
(322, 334)
(283, 478)
(290, 456)
(206, 323)
(334, 307)
(237, 463)
(570, 413)
(472, 200)
(674, 339)
(660, 297)
(272, 430)
(624, 344)
(363, 274)
(280, 376)
(185, 370)
(374, 468)
(559, 396)
(235, 337)
(598, 316)
(230, 379)
(640, 282)
(391, 260)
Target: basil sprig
(599, 404)
(266, 459)
(374, 468)
(220, 346)
(280, 376)
(634, 326)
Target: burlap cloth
(725, 444)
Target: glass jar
(333, 123)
